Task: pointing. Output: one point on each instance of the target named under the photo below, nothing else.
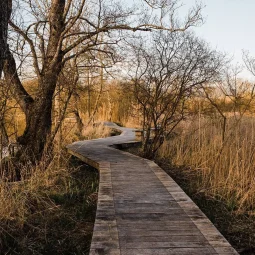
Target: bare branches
(18, 91)
(41, 41)
(31, 44)
(167, 73)
(69, 24)
(169, 9)
(249, 62)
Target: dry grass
(52, 212)
(132, 123)
(97, 130)
(17, 196)
(226, 169)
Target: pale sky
(229, 27)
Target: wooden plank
(171, 251)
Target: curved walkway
(141, 210)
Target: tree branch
(18, 91)
(31, 44)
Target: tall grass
(225, 169)
(52, 212)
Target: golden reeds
(225, 169)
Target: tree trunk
(5, 11)
(79, 122)
(37, 130)
(37, 111)
(4, 136)
(39, 121)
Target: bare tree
(61, 30)
(234, 96)
(249, 62)
(167, 73)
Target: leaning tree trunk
(37, 111)
(5, 12)
(35, 138)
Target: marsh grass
(224, 169)
(52, 212)
(98, 130)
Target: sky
(229, 27)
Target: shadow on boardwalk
(141, 210)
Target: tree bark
(5, 11)
(4, 135)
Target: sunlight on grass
(225, 169)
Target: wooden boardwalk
(141, 210)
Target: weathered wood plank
(171, 251)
